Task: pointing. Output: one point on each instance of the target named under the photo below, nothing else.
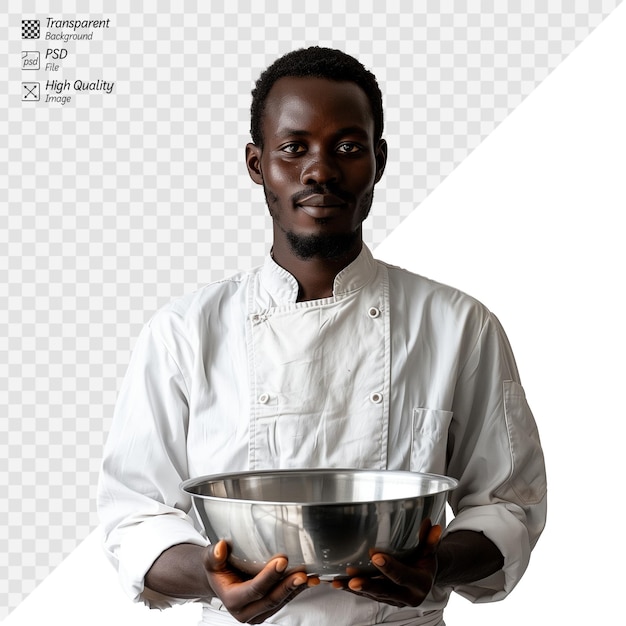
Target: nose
(319, 169)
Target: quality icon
(30, 92)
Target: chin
(322, 246)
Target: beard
(322, 246)
(325, 246)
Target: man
(323, 357)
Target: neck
(315, 276)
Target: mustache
(322, 190)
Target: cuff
(141, 547)
(510, 536)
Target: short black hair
(315, 62)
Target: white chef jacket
(393, 371)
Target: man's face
(318, 165)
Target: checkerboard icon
(30, 29)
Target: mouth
(321, 205)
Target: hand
(401, 583)
(253, 600)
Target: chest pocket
(430, 440)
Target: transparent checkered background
(113, 204)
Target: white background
(532, 223)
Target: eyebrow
(348, 130)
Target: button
(373, 312)
(376, 397)
(264, 398)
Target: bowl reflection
(324, 521)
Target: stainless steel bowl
(323, 520)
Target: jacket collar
(283, 287)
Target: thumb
(215, 556)
(434, 536)
(221, 551)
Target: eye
(292, 148)
(349, 147)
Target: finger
(241, 589)
(221, 550)
(431, 541)
(340, 583)
(424, 529)
(434, 535)
(221, 575)
(429, 537)
(259, 610)
(418, 575)
(253, 599)
(216, 556)
(380, 590)
(402, 588)
(269, 577)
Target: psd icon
(30, 29)
(31, 60)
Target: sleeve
(495, 453)
(141, 507)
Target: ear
(381, 158)
(253, 162)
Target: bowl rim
(449, 484)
